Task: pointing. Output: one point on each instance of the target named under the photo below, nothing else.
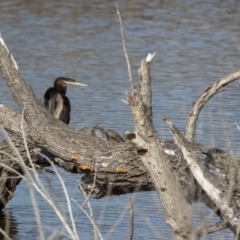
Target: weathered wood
(203, 99)
(212, 187)
(212, 228)
(145, 88)
(8, 164)
(154, 159)
(118, 169)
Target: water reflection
(8, 223)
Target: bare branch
(4, 234)
(130, 205)
(212, 228)
(203, 99)
(153, 157)
(124, 48)
(204, 179)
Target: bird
(56, 101)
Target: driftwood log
(181, 170)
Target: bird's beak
(77, 83)
(80, 84)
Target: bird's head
(61, 83)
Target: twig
(91, 220)
(62, 218)
(130, 205)
(5, 234)
(212, 228)
(41, 189)
(215, 227)
(203, 99)
(68, 204)
(32, 193)
(54, 235)
(124, 47)
(93, 185)
(120, 218)
(90, 211)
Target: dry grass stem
(130, 205)
(39, 187)
(124, 47)
(6, 237)
(89, 217)
(31, 190)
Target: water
(196, 44)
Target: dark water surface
(196, 44)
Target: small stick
(215, 227)
(130, 205)
(124, 48)
(4, 234)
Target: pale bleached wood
(154, 159)
(204, 178)
(203, 99)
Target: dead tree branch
(212, 228)
(203, 99)
(154, 158)
(208, 183)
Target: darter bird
(57, 102)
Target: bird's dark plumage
(57, 102)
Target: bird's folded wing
(55, 106)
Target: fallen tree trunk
(120, 171)
(115, 162)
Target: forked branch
(203, 177)
(155, 160)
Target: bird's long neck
(62, 89)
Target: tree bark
(9, 179)
(154, 158)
